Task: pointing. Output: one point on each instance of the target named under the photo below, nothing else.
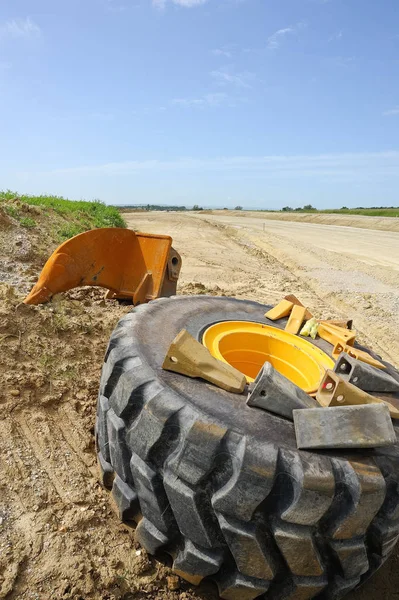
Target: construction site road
(372, 247)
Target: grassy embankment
(366, 212)
(76, 216)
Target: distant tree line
(152, 207)
(371, 208)
(163, 207)
(307, 207)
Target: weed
(27, 222)
(68, 372)
(47, 363)
(70, 230)
(61, 322)
(12, 212)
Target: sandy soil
(356, 221)
(59, 537)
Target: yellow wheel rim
(247, 346)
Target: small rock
(15, 392)
(24, 309)
(62, 529)
(173, 582)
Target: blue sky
(261, 103)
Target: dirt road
(59, 538)
(340, 219)
(372, 247)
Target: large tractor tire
(221, 486)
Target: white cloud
(391, 112)
(274, 41)
(222, 52)
(185, 3)
(20, 28)
(340, 62)
(345, 166)
(227, 77)
(208, 100)
(113, 6)
(189, 3)
(101, 116)
(336, 36)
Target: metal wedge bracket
(365, 426)
(189, 357)
(364, 376)
(335, 391)
(275, 393)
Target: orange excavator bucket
(135, 266)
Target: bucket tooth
(345, 323)
(282, 309)
(364, 376)
(296, 319)
(275, 393)
(365, 426)
(297, 302)
(356, 353)
(189, 357)
(335, 391)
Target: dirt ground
(341, 220)
(59, 537)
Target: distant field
(366, 212)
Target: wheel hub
(247, 346)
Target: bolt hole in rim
(247, 346)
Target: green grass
(369, 212)
(81, 215)
(27, 222)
